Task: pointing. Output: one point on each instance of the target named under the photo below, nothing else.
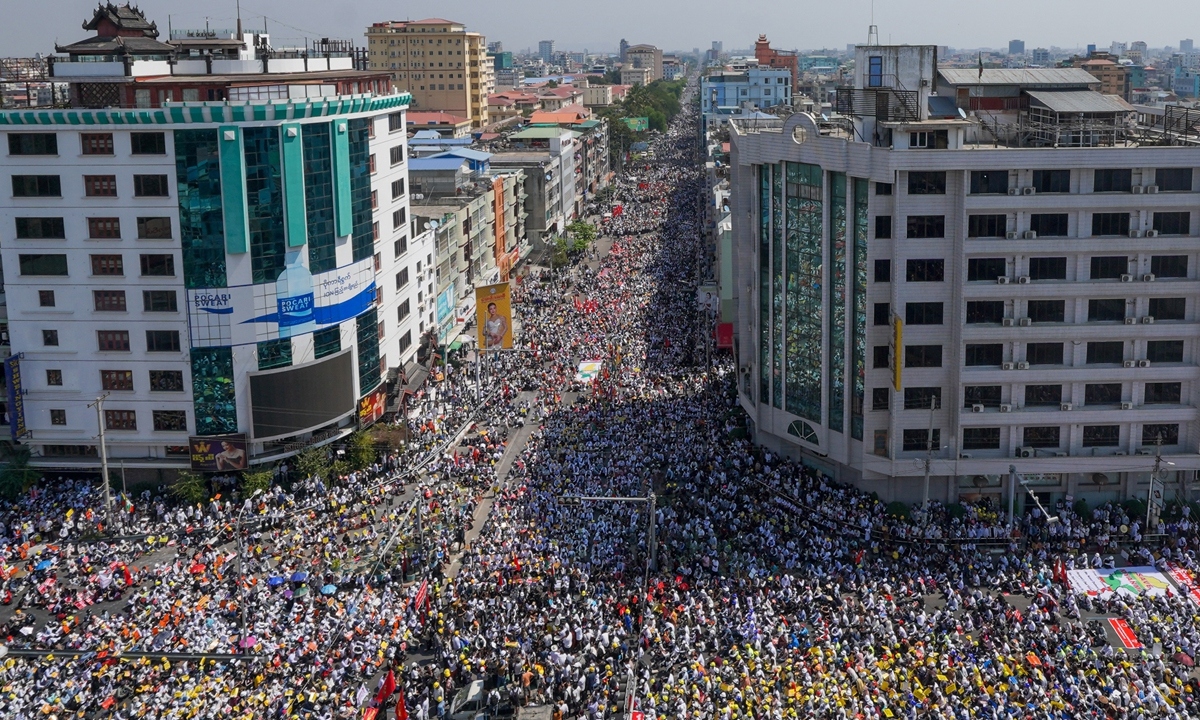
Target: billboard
(445, 314)
(708, 298)
(1128, 581)
(16, 400)
(493, 315)
(372, 407)
(219, 453)
(725, 335)
(637, 124)
(293, 400)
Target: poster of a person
(493, 308)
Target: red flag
(388, 687)
(401, 708)
(128, 579)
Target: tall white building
(1009, 250)
(238, 265)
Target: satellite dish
(979, 481)
(962, 113)
(428, 225)
(1100, 478)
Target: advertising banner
(637, 124)
(16, 401)
(708, 298)
(588, 370)
(493, 314)
(725, 335)
(372, 407)
(1186, 580)
(221, 453)
(445, 314)
(1130, 581)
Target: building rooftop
(541, 132)
(437, 162)
(427, 140)
(1080, 101)
(435, 118)
(466, 154)
(1028, 77)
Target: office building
(624, 48)
(1186, 46)
(546, 51)
(442, 65)
(724, 94)
(769, 57)
(1041, 56)
(206, 229)
(1016, 47)
(1033, 280)
(647, 57)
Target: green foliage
(313, 461)
(15, 475)
(898, 510)
(560, 253)
(582, 235)
(552, 84)
(1081, 509)
(190, 487)
(360, 450)
(255, 480)
(613, 77)
(956, 511)
(1136, 508)
(339, 468)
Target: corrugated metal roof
(542, 132)
(1080, 101)
(1029, 77)
(467, 153)
(435, 163)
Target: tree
(582, 235)
(360, 450)
(255, 480)
(15, 475)
(313, 461)
(190, 487)
(560, 253)
(552, 84)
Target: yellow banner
(493, 314)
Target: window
(399, 218)
(1105, 353)
(1046, 310)
(1043, 395)
(327, 341)
(395, 122)
(1168, 308)
(401, 278)
(1173, 179)
(1115, 224)
(883, 226)
(154, 228)
(162, 341)
(1109, 267)
(159, 301)
(147, 143)
(981, 438)
(985, 311)
(1101, 436)
(926, 226)
(402, 311)
(406, 341)
(166, 381)
(919, 439)
(104, 228)
(923, 313)
(1113, 180)
(1106, 310)
(371, 167)
(986, 395)
(1152, 434)
(919, 398)
(1173, 223)
(987, 226)
(397, 154)
(170, 420)
(45, 298)
(875, 71)
(158, 265)
(120, 420)
(58, 417)
(107, 265)
(883, 188)
(923, 356)
(1169, 266)
(1040, 437)
(926, 182)
(1160, 393)
(150, 186)
(880, 398)
(54, 377)
(986, 269)
(274, 353)
(1102, 393)
(1052, 181)
(1044, 353)
(881, 356)
(96, 143)
(989, 182)
(1048, 268)
(116, 379)
(400, 246)
(39, 228)
(100, 185)
(43, 264)
(883, 271)
(50, 338)
(925, 270)
(936, 139)
(1164, 351)
(883, 314)
(109, 300)
(397, 188)
(984, 354)
(1049, 224)
(113, 340)
(36, 186)
(32, 144)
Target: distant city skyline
(520, 24)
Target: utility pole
(99, 405)
(1153, 480)
(928, 456)
(1012, 497)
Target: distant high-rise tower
(546, 50)
(1041, 56)
(718, 48)
(1091, 50)
(1016, 47)
(624, 48)
(1186, 46)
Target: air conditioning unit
(976, 408)
(1151, 233)
(1014, 191)
(1031, 235)
(964, 456)
(1026, 452)
(1148, 320)
(1126, 278)
(1151, 189)
(1024, 322)
(1145, 451)
(1005, 407)
(1138, 189)
(1029, 191)
(1022, 366)
(1011, 234)
(1023, 280)
(1120, 453)
(417, 196)
(1065, 406)
(1131, 321)
(1135, 233)
(1148, 277)
(1002, 280)
(1130, 363)
(1007, 366)
(1143, 363)
(1007, 322)
(1059, 453)
(1126, 406)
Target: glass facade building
(318, 197)
(198, 185)
(264, 202)
(363, 240)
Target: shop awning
(458, 343)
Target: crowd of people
(764, 590)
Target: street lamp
(241, 565)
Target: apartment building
(442, 65)
(1013, 266)
(198, 261)
(648, 57)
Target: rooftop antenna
(873, 30)
(239, 19)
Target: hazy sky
(598, 26)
